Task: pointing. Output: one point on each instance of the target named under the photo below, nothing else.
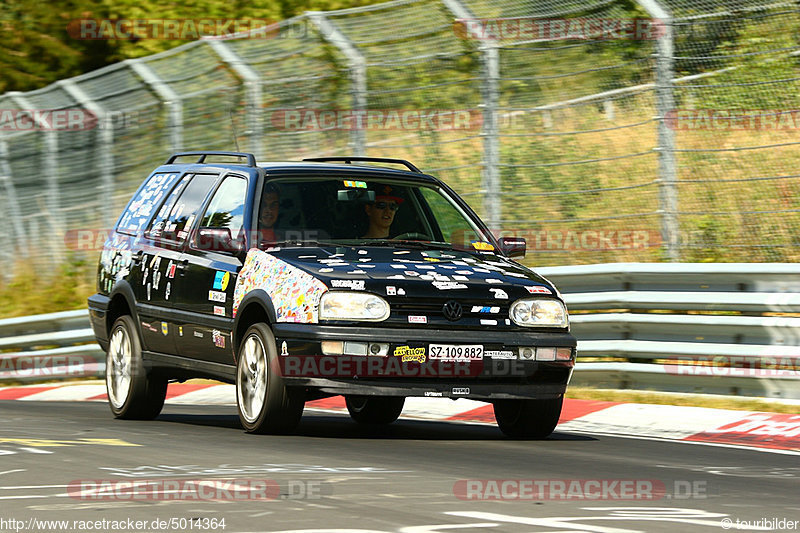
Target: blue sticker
(219, 280)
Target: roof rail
(251, 159)
(349, 160)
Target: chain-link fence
(603, 130)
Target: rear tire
(528, 419)
(132, 393)
(264, 402)
(374, 410)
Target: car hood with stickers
(417, 283)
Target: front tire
(132, 393)
(528, 419)
(374, 410)
(264, 402)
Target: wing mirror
(512, 246)
(218, 240)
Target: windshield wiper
(297, 242)
(424, 245)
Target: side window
(180, 208)
(453, 225)
(143, 205)
(226, 209)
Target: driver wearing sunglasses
(380, 213)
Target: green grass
(29, 293)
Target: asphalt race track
(73, 462)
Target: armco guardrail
(51, 346)
(668, 319)
(684, 327)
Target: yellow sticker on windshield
(355, 184)
(482, 245)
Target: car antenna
(233, 128)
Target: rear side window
(143, 205)
(175, 217)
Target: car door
(159, 262)
(205, 294)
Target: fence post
(105, 133)
(252, 87)
(491, 141)
(13, 212)
(50, 170)
(169, 97)
(358, 76)
(490, 57)
(665, 103)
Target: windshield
(356, 212)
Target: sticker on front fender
(295, 294)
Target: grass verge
(692, 400)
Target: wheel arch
(121, 302)
(256, 307)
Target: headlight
(338, 305)
(539, 312)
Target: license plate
(456, 352)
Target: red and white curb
(772, 432)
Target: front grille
(433, 311)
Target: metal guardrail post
(170, 98)
(665, 103)
(105, 134)
(358, 75)
(50, 170)
(252, 87)
(490, 57)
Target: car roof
(302, 166)
(337, 164)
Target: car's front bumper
(302, 363)
(98, 308)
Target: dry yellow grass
(694, 400)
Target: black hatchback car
(302, 280)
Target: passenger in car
(268, 216)
(380, 213)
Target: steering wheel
(411, 236)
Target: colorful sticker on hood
(536, 289)
(295, 294)
(482, 245)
